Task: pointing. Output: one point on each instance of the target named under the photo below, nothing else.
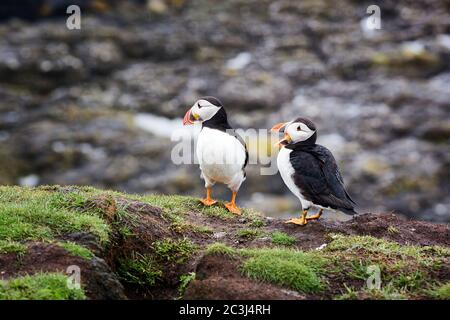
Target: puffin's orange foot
(233, 208)
(299, 221)
(208, 202)
(315, 216)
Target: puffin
(222, 154)
(310, 171)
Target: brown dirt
(218, 278)
(387, 226)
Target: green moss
(50, 286)
(185, 279)
(7, 246)
(290, 268)
(177, 251)
(248, 233)
(76, 249)
(140, 269)
(221, 248)
(282, 238)
(38, 214)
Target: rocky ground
(71, 100)
(171, 247)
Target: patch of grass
(248, 233)
(76, 249)
(442, 292)
(221, 248)
(39, 214)
(72, 200)
(295, 269)
(409, 281)
(406, 271)
(176, 205)
(216, 211)
(201, 229)
(177, 251)
(43, 286)
(140, 269)
(282, 238)
(180, 226)
(386, 293)
(257, 223)
(185, 279)
(125, 231)
(7, 246)
(349, 294)
(392, 230)
(379, 248)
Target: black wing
(239, 138)
(318, 177)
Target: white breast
(221, 157)
(286, 172)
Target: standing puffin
(310, 171)
(222, 154)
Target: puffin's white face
(202, 110)
(298, 131)
(293, 132)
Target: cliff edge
(121, 246)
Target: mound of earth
(171, 247)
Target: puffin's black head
(206, 109)
(300, 130)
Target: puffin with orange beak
(310, 171)
(221, 152)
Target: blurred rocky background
(96, 106)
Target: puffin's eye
(198, 105)
(299, 129)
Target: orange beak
(279, 127)
(187, 118)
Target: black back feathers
(317, 176)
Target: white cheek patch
(302, 135)
(304, 127)
(206, 111)
(291, 129)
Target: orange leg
(300, 221)
(316, 216)
(231, 206)
(208, 201)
